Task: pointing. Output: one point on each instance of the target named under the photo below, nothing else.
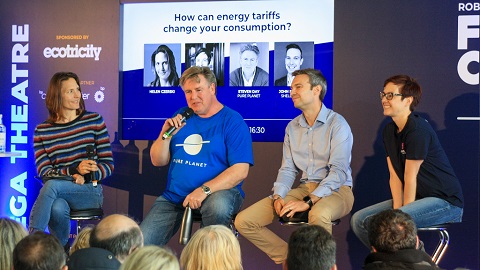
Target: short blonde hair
(212, 247)
(151, 258)
(82, 240)
(11, 232)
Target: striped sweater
(63, 146)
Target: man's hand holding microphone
(172, 125)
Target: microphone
(91, 156)
(185, 115)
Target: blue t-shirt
(203, 149)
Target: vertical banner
(41, 38)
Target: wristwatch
(206, 190)
(308, 200)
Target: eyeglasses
(389, 95)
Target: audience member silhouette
(111, 242)
(212, 247)
(311, 248)
(393, 236)
(39, 251)
(82, 240)
(151, 258)
(117, 233)
(11, 232)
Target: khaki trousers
(252, 221)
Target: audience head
(54, 98)
(315, 78)
(118, 234)
(11, 232)
(408, 87)
(163, 61)
(91, 258)
(202, 58)
(39, 251)
(311, 247)
(392, 230)
(293, 58)
(212, 247)
(82, 240)
(151, 258)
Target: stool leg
(441, 247)
(79, 227)
(232, 227)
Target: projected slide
(251, 46)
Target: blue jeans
(165, 217)
(54, 202)
(425, 212)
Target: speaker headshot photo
(291, 56)
(161, 65)
(249, 64)
(207, 55)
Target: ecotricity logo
(99, 95)
(69, 51)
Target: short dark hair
(315, 78)
(408, 87)
(294, 46)
(39, 251)
(206, 51)
(392, 230)
(119, 244)
(311, 248)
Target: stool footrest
(80, 215)
(444, 240)
(86, 213)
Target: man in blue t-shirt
(209, 156)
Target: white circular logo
(99, 96)
(193, 144)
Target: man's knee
(322, 219)
(217, 208)
(319, 217)
(253, 216)
(221, 203)
(242, 220)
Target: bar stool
(85, 214)
(444, 240)
(299, 219)
(190, 217)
